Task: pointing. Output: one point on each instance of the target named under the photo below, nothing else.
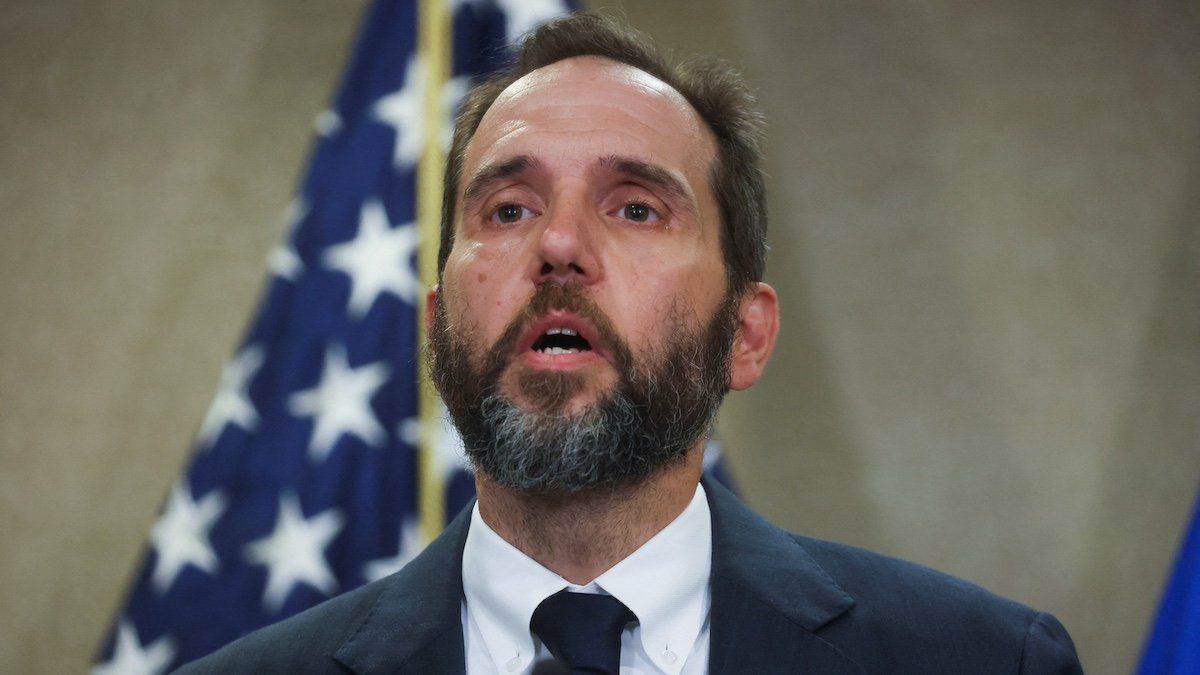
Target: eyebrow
(652, 174)
(642, 170)
(494, 173)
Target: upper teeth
(561, 331)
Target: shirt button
(513, 664)
(669, 656)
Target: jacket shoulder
(898, 586)
(303, 643)
(963, 627)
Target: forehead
(587, 107)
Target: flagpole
(433, 44)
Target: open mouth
(558, 340)
(562, 340)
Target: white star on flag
(404, 111)
(453, 92)
(232, 403)
(327, 123)
(526, 15)
(411, 544)
(180, 537)
(295, 552)
(448, 447)
(379, 259)
(283, 261)
(129, 658)
(409, 431)
(341, 403)
(449, 453)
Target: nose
(566, 247)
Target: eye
(507, 214)
(638, 213)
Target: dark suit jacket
(781, 603)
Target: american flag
(303, 481)
(1173, 646)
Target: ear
(431, 300)
(758, 324)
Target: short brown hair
(714, 90)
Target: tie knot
(583, 629)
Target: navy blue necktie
(583, 629)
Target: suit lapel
(416, 623)
(770, 598)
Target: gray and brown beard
(660, 406)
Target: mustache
(570, 298)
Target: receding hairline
(652, 85)
(649, 81)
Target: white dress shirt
(665, 583)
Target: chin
(579, 406)
(561, 394)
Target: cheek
(659, 277)
(477, 283)
(644, 309)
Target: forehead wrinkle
(563, 98)
(492, 173)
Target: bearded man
(601, 264)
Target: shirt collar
(502, 586)
(665, 583)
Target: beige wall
(984, 234)
(149, 151)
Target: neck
(581, 535)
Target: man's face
(586, 273)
